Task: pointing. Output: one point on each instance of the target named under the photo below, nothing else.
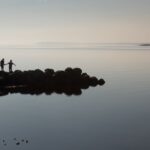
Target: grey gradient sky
(104, 21)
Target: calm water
(113, 117)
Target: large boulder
(93, 81)
(101, 81)
(49, 72)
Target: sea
(115, 116)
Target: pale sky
(102, 21)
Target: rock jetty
(69, 81)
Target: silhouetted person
(2, 64)
(10, 65)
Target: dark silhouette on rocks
(10, 64)
(71, 81)
(2, 63)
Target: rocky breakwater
(69, 81)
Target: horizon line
(47, 44)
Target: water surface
(112, 117)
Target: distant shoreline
(146, 44)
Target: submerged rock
(18, 143)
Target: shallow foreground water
(115, 116)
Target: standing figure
(2, 64)
(10, 64)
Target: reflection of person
(10, 64)
(2, 64)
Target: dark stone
(49, 72)
(101, 81)
(77, 71)
(93, 81)
(69, 71)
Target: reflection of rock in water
(71, 81)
